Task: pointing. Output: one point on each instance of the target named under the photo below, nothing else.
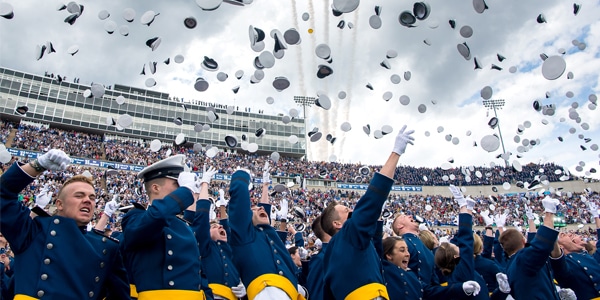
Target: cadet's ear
(59, 204)
(337, 224)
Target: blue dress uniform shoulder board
(139, 206)
(40, 212)
(180, 217)
(98, 232)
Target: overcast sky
(441, 79)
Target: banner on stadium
(395, 188)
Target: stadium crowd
(85, 145)
(415, 230)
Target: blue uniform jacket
(579, 272)
(597, 254)
(421, 259)
(217, 256)
(465, 269)
(249, 242)
(160, 247)
(54, 257)
(528, 273)
(488, 269)
(401, 284)
(315, 280)
(361, 264)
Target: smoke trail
(321, 113)
(347, 104)
(299, 52)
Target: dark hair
(389, 243)
(329, 215)
(445, 260)
(292, 250)
(511, 241)
(317, 229)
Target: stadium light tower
(497, 104)
(304, 102)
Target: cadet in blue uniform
(55, 257)
(352, 265)
(575, 268)
(315, 280)
(421, 258)
(260, 256)
(456, 260)
(528, 274)
(217, 264)
(161, 248)
(486, 267)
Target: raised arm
(15, 222)
(593, 210)
(363, 223)
(141, 227)
(240, 215)
(109, 209)
(544, 241)
(465, 270)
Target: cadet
(160, 247)
(55, 257)
(316, 278)
(259, 254)
(217, 264)
(575, 268)
(352, 265)
(528, 274)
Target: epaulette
(138, 205)
(101, 233)
(40, 212)
(184, 220)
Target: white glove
(471, 288)
(593, 209)
(500, 219)
(239, 290)
(283, 212)
(529, 213)
(212, 215)
(470, 203)
(567, 294)
(503, 283)
(550, 204)
(266, 176)
(55, 160)
(222, 201)
(422, 227)
(43, 198)
(207, 175)
(402, 140)
(111, 207)
(486, 218)
(190, 181)
(458, 195)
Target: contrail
(347, 103)
(299, 52)
(321, 114)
